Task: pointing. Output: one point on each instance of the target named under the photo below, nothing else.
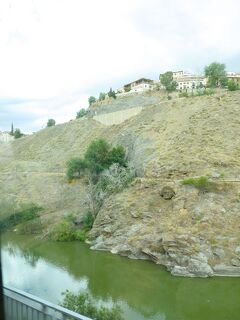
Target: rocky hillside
(190, 231)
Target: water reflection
(144, 290)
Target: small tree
(167, 81)
(75, 167)
(232, 85)
(51, 123)
(102, 96)
(17, 134)
(91, 100)
(216, 74)
(112, 94)
(81, 113)
(97, 155)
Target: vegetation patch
(216, 75)
(75, 168)
(51, 123)
(106, 171)
(67, 230)
(84, 304)
(81, 113)
(63, 231)
(183, 94)
(25, 212)
(115, 179)
(201, 183)
(88, 220)
(204, 92)
(232, 85)
(30, 227)
(167, 81)
(99, 156)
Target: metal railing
(20, 305)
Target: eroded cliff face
(191, 232)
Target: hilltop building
(188, 81)
(140, 85)
(5, 136)
(234, 76)
(185, 81)
(178, 74)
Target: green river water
(143, 289)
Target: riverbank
(144, 290)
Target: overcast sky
(54, 54)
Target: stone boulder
(167, 193)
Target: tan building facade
(186, 81)
(5, 137)
(234, 76)
(190, 82)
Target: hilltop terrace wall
(123, 103)
(117, 117)
(111, 111)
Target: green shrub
(63, 231)
(70, 217)
(117, 155)
(102, 96)
(91, 100)
(201, 183)
(26, 212)
(88, 220)
(80, 235)
(209, 92)
(81, 113)
(30, 227)
(84, 304)
(205, 92)
(112, 94)
(199, 92)
(18, 134)
(183, 94)
(222, 174)
(169, 97)
(51, 123)
(232, 85)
